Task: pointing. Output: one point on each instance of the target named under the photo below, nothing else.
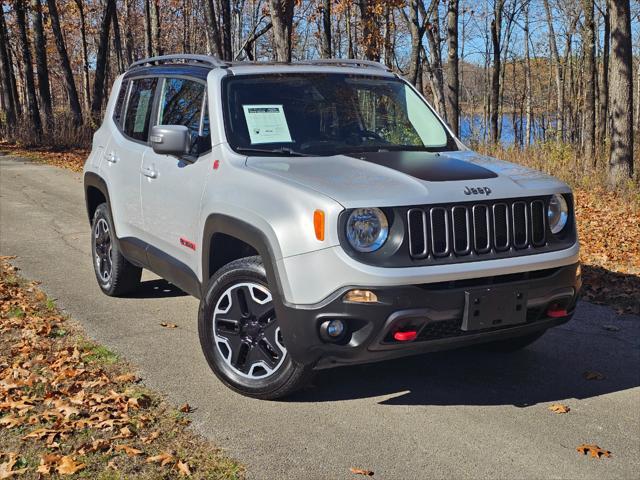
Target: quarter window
(136, 122)
(182, 103)
(120, 101)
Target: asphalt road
(461, 414)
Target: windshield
(328, 114)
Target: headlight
(557, 213)
(367, 229)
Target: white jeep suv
(323, 214)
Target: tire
(512, 344)
(115, 274)
(240, 335)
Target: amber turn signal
(318, 224)
(360, 296)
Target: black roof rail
(346, 62)
(205, 60)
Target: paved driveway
(459, 414)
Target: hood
(409, 178)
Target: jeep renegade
(323, 214)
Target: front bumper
(434, 310)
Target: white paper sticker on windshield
(267, 124)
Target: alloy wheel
(103, 250)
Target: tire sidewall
(102, 212)
(224, 279)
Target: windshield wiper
(281, 151)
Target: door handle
(111, 157)
(149, 172)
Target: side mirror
(170, 140)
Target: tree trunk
(603, 84)
(32, 102)
(370, 31)
(558, 74)
(589, 46)
(8, 82)
(156, 32)
(326, 29)
(69, 82)
(211, 20)
(128, 34)
(85, 58)
(527, 80)
(148, 36)
(621, 159)
(41, 64)
(101, 61)
(416, 29)
(227, 53)
(496, 28)
(117, 42)
(282, 19)
(453, 81)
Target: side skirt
(172, 270)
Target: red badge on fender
(187, 243)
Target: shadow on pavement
(156, 289)
(549, 370)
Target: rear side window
(182, 103)
(120, 101)
(138, 115)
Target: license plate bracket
(494, 307)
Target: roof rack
(347, 62)
(206, 60)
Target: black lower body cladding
(435, 314)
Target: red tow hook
(554, 311)
(405, 336)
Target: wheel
(115, 275)
(241, 337)
(512, 344)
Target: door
(123, 160)
(172, 187)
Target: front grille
(476, 229)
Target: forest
(553, 83)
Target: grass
(95, 410)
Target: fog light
(361, 296)
(333, 330)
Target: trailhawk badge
(477, 191)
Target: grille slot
(520, 224)
(417, 222)
(461, 230)
(538, 225)
(439, 232)
(468, 229)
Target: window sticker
(267, 124)
(141, 111)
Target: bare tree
(85, 57)
(453, 80)
(602, 126)
(326, 28)
(213, 28)
(8, 85)
(70, 84)
(527, 80)
(156, 32)
(33, 111)
(496, 31)
(621, 159)
(589, 46)
(41, 63)
(101, 60)
(558, 73)
(282, 19)
(225, 6)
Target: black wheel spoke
(227, 326)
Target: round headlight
(557, 213)
(367, 229)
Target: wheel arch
(95, 193)
(241, 239)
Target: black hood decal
(427, 166)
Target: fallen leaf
(168, 325)
(126, 378)
(6, 468)
(151, 437)
(183, 469)
(360, 471)
(112, 464)
(595, 450)
(10, 421)
(589, 375)
(162, 459)
(559, 408)
(68, 466)
(610, 328)
(186, 408)
(131, 451)
(47, 462)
